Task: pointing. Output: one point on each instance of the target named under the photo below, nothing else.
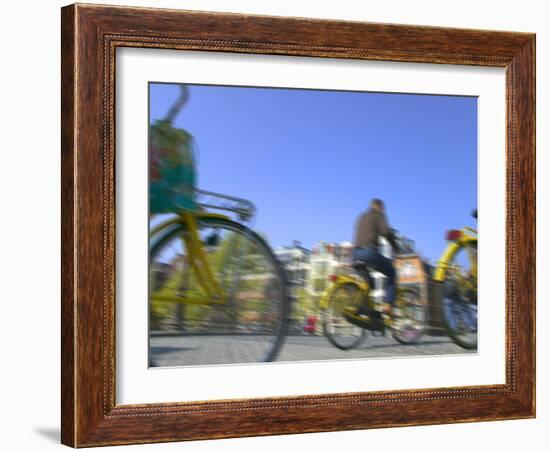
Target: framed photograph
(281, 225)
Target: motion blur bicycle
(456, 279)
(341, 301)
(205, 259)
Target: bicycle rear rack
(243, 208)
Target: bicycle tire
(279, 332)
(449, 330)
(328, 329)
(411, 335)
(444, 298)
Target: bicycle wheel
(458, 298)
(249, 325)
(409, 316)
(337, 329)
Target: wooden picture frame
(90, 36)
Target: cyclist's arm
(387, 232)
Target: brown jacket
(370, 225)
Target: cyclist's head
(377, 204)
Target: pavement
(181, 350)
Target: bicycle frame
(363, 292)
(466, 237)
(197, 259)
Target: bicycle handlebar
(177, 106)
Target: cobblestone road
(173, 350)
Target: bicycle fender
(447, 257)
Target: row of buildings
(309, 273)
(311, 269)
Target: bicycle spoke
(408, 327)
(459, 302)
(223, 258)
(338, 330)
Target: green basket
(172, 174)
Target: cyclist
(370, 226)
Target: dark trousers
(374, 260)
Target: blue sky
(311, 160)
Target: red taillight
(453, 235)
(333, 278)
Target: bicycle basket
(172, 175)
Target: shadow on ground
(51, 433)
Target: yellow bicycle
(208, 271)
(406, 320)
(224, 276)
(456, 279)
